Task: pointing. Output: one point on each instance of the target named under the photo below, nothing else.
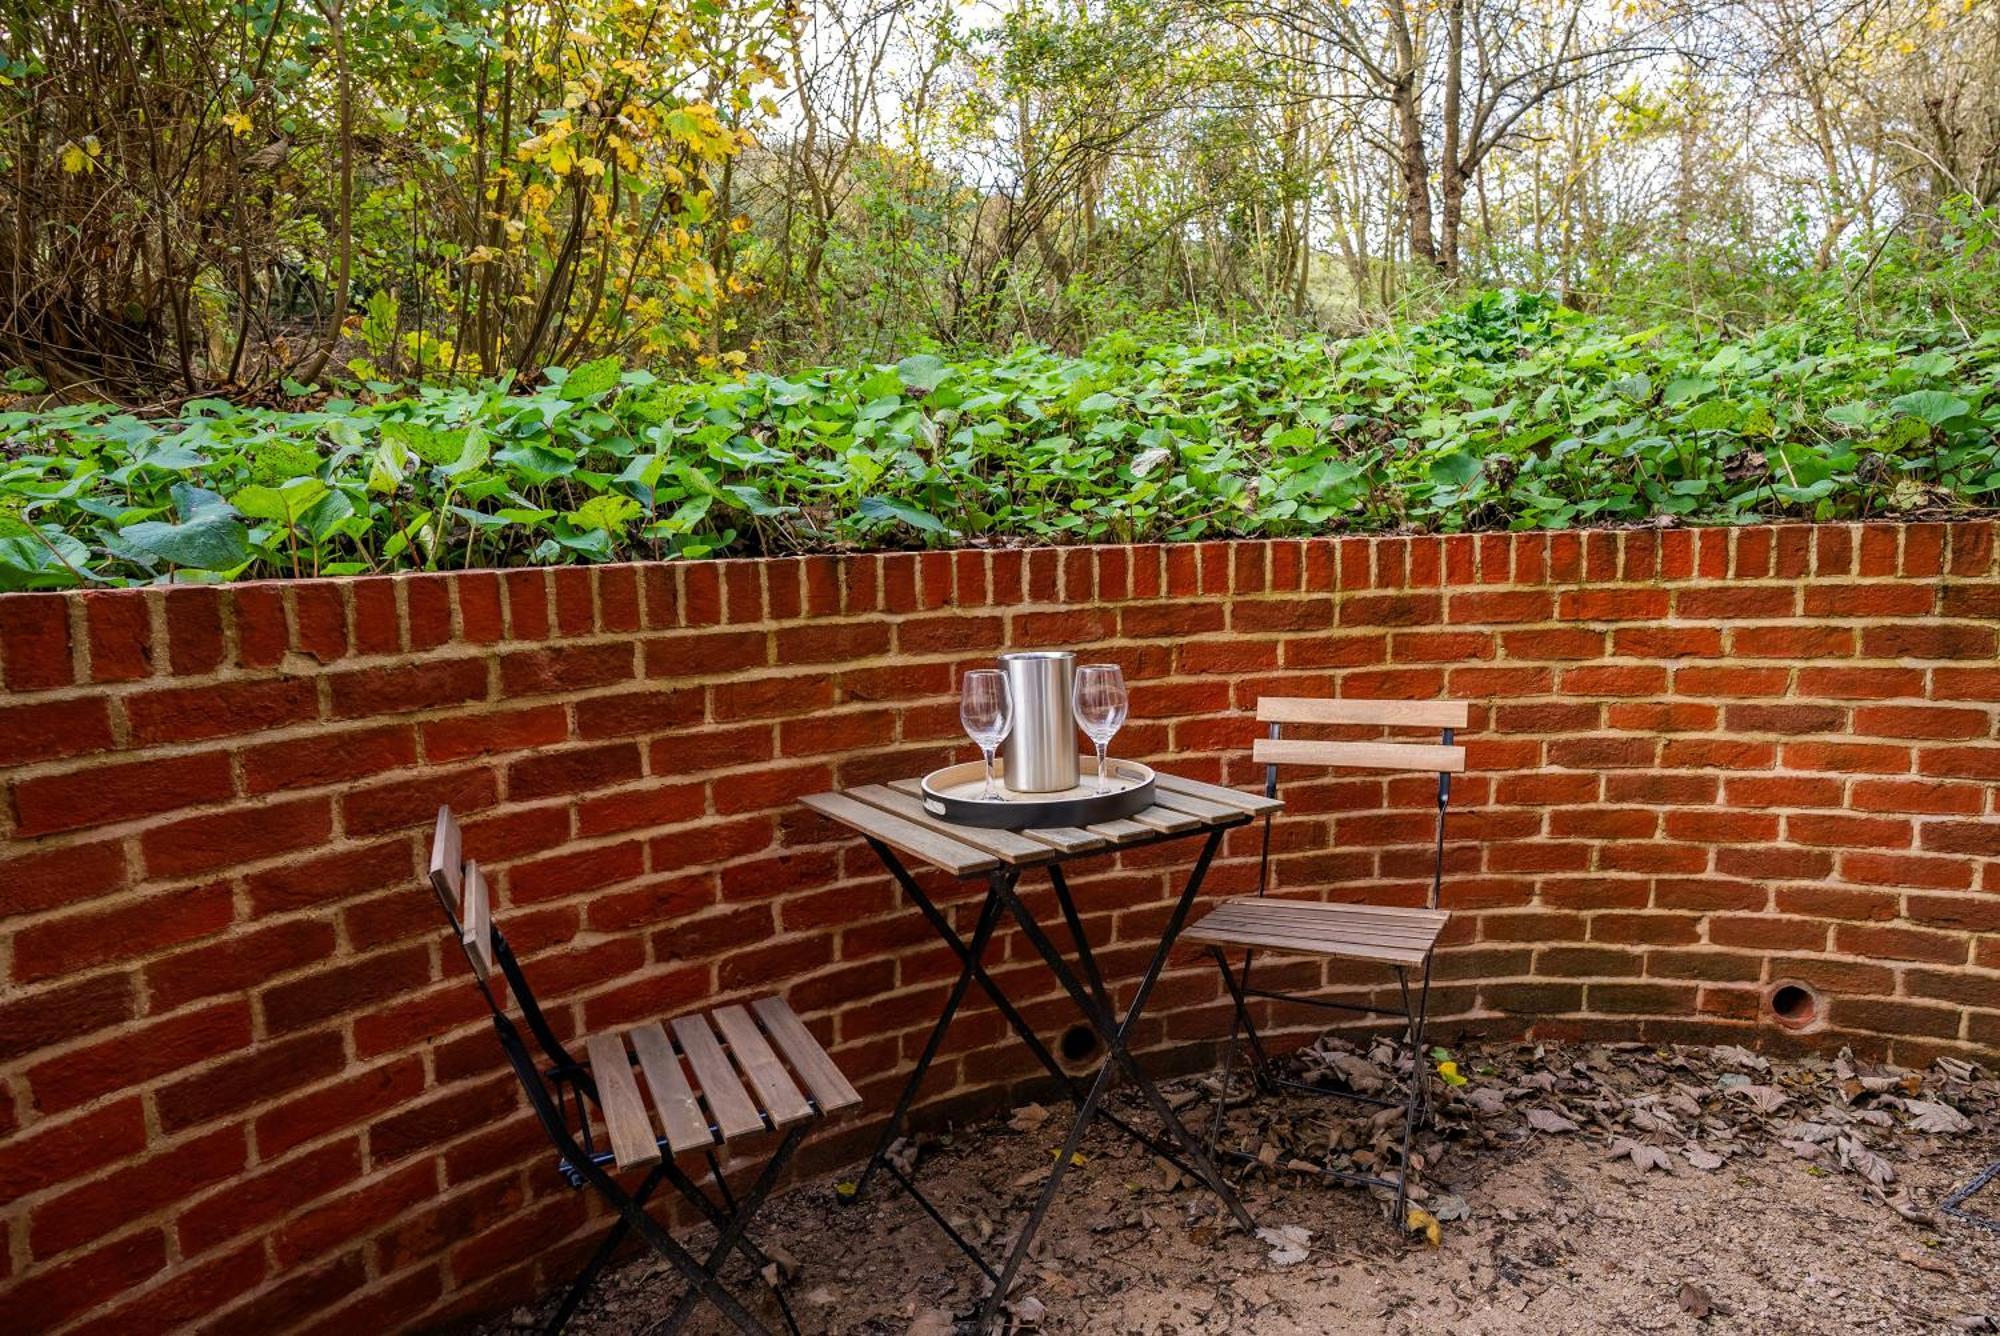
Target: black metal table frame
(1092, 998)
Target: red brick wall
(242, 1076)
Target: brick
(56, 1152)
(565, 668)
(328, 756)
(102, 794)
(1937, 722)
(138, 1054)
(411, 804)
(220, 709)
(193, 615)
(256, 1199)
(482, 734)
(1961, 837)
(573, 770)
(51, 730)
(53, 1295)
(268, 1070)
(250, 834)
(1844, 831)
(343, 988)
(120, 632)
(1883, 943)
(399, 688)
(53, 876)
(656, 710)
(80, 941)
(319, 620)
(35, 642)
(63, 1012)
(105, 1204)
(706, 654)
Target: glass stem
(987, 752)
(1102, 787)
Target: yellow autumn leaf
(590, 166)
(74, 159)
(238, 122)
(561, 159)
(1449, 1071)
(1421, 1221)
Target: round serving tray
(953, 794)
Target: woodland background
(201, 197)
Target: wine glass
(986, 709)
(1098, 699)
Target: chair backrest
(467, 901)
(1444, 758)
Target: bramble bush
(1506, 412)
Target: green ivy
(1508, 412)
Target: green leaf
(881, 509)
(212, 541)
(1932, 406)
(922, 373)
(281, 505)
(591, 379)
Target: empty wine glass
(1099, 702)
(986, 709)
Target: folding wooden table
(892, 818)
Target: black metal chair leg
(738, 1222)
(612, 1238)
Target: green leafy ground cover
(1507, 412)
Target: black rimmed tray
(953, 794)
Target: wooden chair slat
(1279, 905)
(1005, 845)
(1358, 755)
(1255, 803)
(477, 922)
(939, 850)
(729, 1105)
(1304, 946)
(680, 1113)
(448, 862)
(1385, 713)
(812, 1062)
(1389, 933)
(633, 1143)
(768, 1077)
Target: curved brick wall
(242, 1079)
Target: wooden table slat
(1007, 845)
(1204, 808)
(1167, 821)
(1063, 839)
(907, 837)
(1255, 803)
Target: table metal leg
(1119, 1055)
(989, 914)
(1008, 1012)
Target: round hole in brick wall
(1078, 1045)
(1793, 1005)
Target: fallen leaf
(1420, 1221)
(1696, 1302)
(1288, 1244)
(1930, 1116)
(1548, 1120)
(1028, 1117)
(1704, 1160)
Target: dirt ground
(1819, 1217)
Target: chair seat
(750, 1073)
(1388, 933)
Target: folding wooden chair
(741, 1087)
(1400, 937)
